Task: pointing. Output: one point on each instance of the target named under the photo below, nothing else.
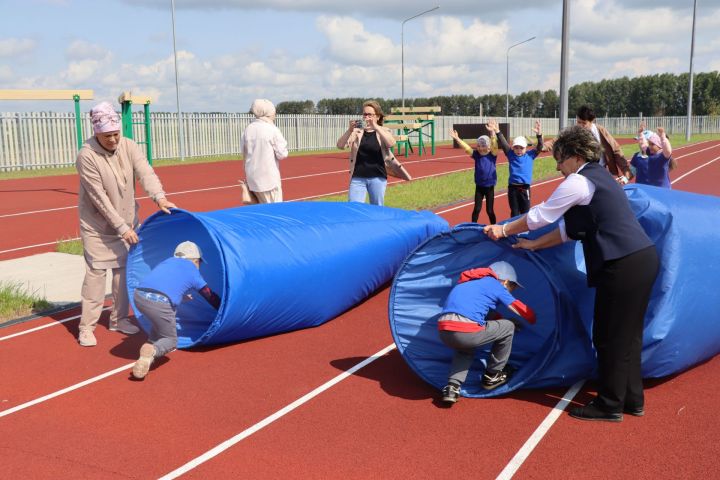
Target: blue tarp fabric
(280, 267)
(682, 325)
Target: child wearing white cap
(158, 296)
(520, 162)
(485, 157)
(465, 324)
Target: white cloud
(82, 50)
(447, 41)
(14, 47)
(350, 43)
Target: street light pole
(181, 133)
(402, 51)
(564, 59)
(507, 78)
(688, 130)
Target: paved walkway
(55, 276)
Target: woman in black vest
(621, 263)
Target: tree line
(652, 95)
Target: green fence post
(78, 122)
(148, 134)
(127, 125)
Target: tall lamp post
(688, 130)
(402, 50)
(507, 78)
(564, 60)
(181, 133)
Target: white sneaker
(87, 338)
(123, 325)
(142, 366)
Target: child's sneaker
(494, 380)
(123, 325)
(451, 393)
(142, 366)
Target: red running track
(380, 422)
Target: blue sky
(232, 51)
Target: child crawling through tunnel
(158, 296)
(466, 322)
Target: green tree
(302, 107)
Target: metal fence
(47, 139)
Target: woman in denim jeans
(370, 143)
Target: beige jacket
(107, 206)
(351, 138)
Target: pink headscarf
(104, 118)
(655, 139)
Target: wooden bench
(412, 121)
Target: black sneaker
(494, 380)
(451, 393)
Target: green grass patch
(16, 301)
(434, 192)
(71, 246)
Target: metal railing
(32, 140)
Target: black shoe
(493, 380)
(634, 411)
(592, 412)
(451, 393)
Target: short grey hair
(576, 141)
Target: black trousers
(518, 198)
(488, 193)
(621, 299)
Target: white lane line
(234, 186)
(37, 245)
(694, 170)
(71, 388)
(268, 420)
(524, 452)
(223, 187)
(47, 325)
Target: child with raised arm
(485, 156)
(464, 324)
(158, 296)
(520, 164)
(653, 168)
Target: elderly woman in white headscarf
(263, 146)
(108, 165)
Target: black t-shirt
(369, 162)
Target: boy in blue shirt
(464, 324)
(520, 164)
(158, 296)
(653, 167)
(485, 156)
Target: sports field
(336, 401)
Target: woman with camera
(370, 143)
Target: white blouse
(574, 190)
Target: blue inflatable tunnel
(280, 267)
(681, 325)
